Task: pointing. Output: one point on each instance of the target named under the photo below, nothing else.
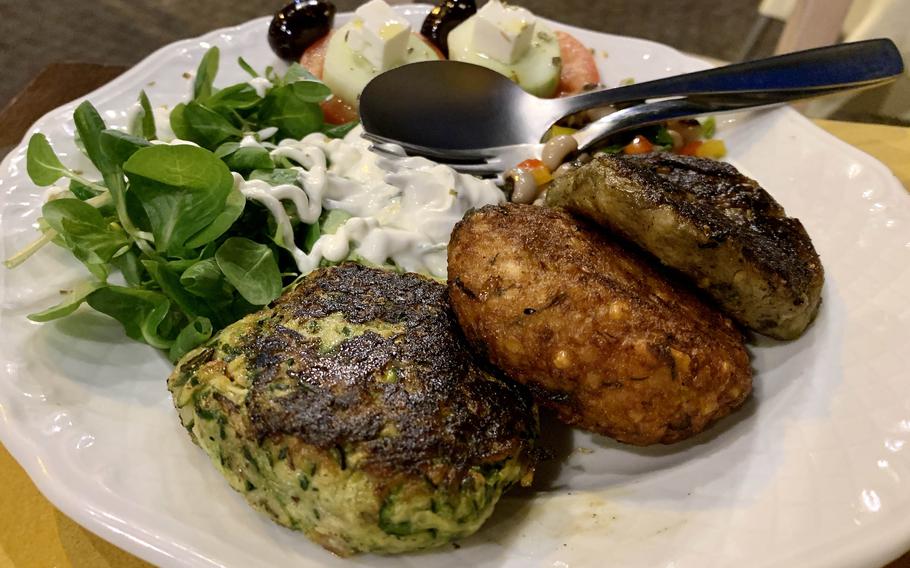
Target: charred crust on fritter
(726, 204)
(443, 408)
(457, 282)
(193, 363)
(717, 227)
(553, 398)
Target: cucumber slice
(347, 72)
(537, 72)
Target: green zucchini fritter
(714, 225)
(352, 410)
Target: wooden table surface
(33, 533)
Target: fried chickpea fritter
(596, 333)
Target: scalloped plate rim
(888, 543)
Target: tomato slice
(313, 59)
(578, 66)
(336, 111)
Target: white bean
(524, 186)
(564, 169)
(597, 113)
(556, 149)
(689, 129)
(678, 140)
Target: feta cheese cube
(503, 32)
(379, 35)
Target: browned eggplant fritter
(715, 225)
(352, 410)
(595, 332)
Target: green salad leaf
(339, 130)
(182, 190)
(141, 312)
(241, 62)
(207, 127)
(90, 125)
(241, 96)
(167, 277)
(193, 253)
(233, 209)
(84, 191)
(297, 72)
(205, 74)
(73, 299)
(42, 164)
(277, 176)
(178, 122)
(119, 146)
(130, 266)
(84, 231)
(293, 108)
(204, 279)
(247, 159)
(251, 268)
(144, 122)
(197, 331)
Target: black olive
(298, 25)
(444, 18)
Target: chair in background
(813, 23)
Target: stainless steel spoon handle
(657, 112)
(825, 69)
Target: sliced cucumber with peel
(347, 72)
(537, 71)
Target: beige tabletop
(33, 533)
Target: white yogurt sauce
(402, 210)
(260, 84)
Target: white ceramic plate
(812, 472)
